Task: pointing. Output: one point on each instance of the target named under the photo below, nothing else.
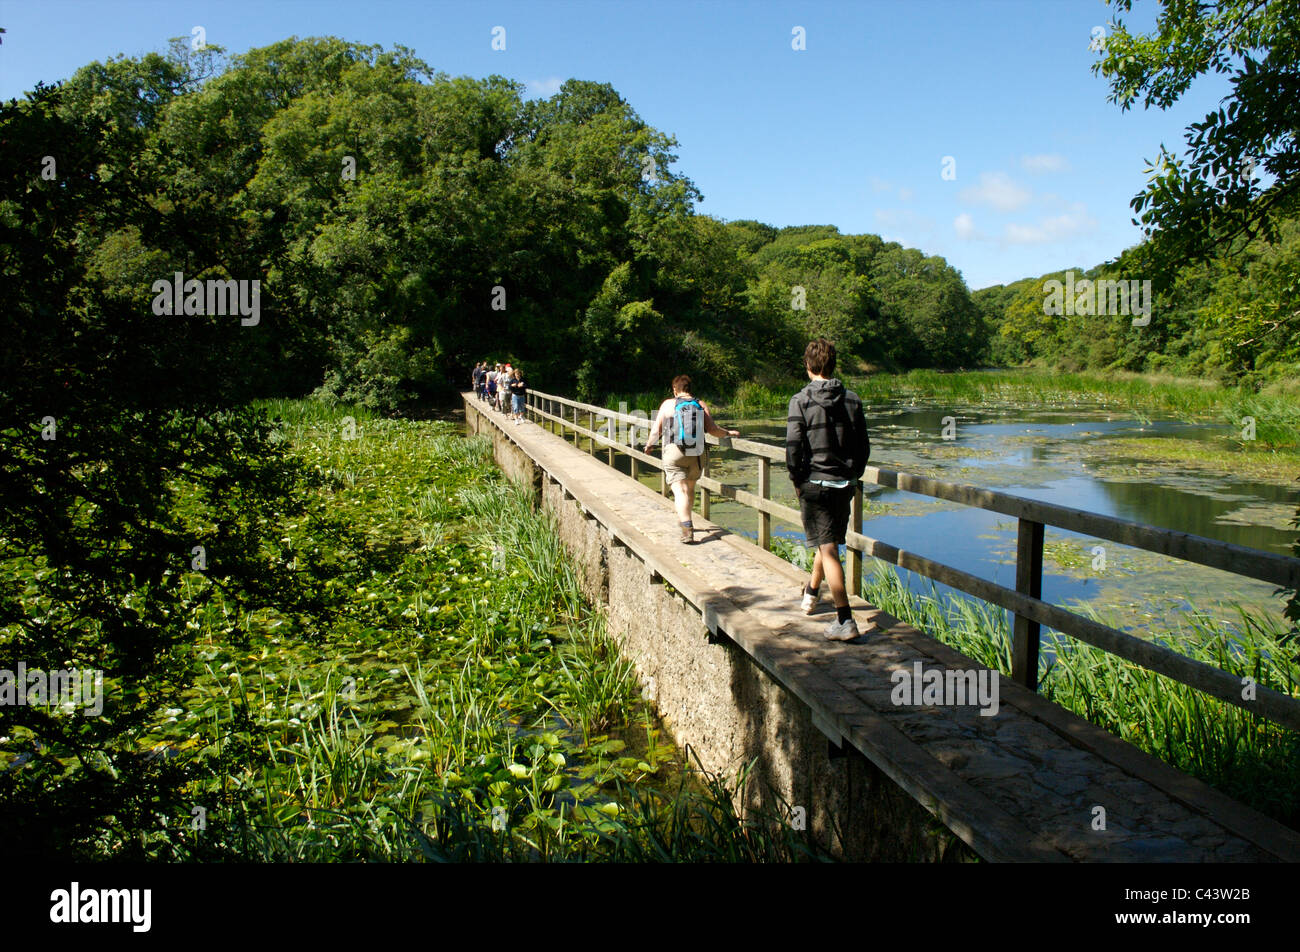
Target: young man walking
(826, 451)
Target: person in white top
(683, 420)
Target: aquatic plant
(456, 699)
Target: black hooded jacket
(826, 434)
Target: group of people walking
(826, 453)
(503, 386)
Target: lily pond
(1191, 477)
(451, 697)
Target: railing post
(609, 427)
(855, 557)
(591, 426)
(764, 490)
(704, 493)
(1029, 581)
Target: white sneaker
(810, 603)
(842, 630)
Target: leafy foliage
(125, 451)
(1220, 192)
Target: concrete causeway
(1023, 784)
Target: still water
(1071, 456)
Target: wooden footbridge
(1031, 782)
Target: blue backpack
(688, 426)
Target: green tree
(1240, 172)
(124, 445)
(1216, 197)
(616, 330)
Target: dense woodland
(1234, 318)
(403, 224)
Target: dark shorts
(825, 513)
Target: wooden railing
(1024, 601)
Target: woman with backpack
(683, 421)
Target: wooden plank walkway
(1020, 785)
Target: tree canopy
(1241, 169)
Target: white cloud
(543, 87)
(901, 218)
(1055, 228)
(998, 191)
(964, 226)
(1046, 162)
(880, 185)
(905, 225)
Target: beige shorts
(677, 465)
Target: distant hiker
(477, 376)
(683, 421)
(826, 451)
(518, 395)
(499, 402)
(492, 386)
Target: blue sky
(851, 131)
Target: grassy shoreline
(1184, 398)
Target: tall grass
(1277, 413)
(341, 801)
